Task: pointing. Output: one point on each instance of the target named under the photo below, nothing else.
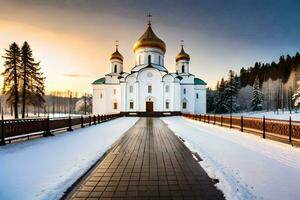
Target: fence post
(94, 119)
(70, 124)
(90, 120)
(242, 124)
(290, 130)
(264, 127)
(230, 120)
(214, 119)
(82, 124)
(2, 133)
(98, 118)
(47, 128)
(207, 118)
(200, 118)
(221, 120)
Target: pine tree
(11, 76)
(296, 97)
(257, 100)
(32, 79)
(230, 94)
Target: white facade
(149, 87)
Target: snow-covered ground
(247, 166)
(271, 115)
(44, 168)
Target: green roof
(99, 81)
(198, 81)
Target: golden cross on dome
(149, 18)
(182, 41)
(117, 45)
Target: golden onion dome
(182, 55)
(116, 55)
(149, 39)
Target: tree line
(280, 70)
(24, 83)
(224, 99)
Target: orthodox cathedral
(149, 87)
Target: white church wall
(168, 91)
(150, 77)
(157, 56)
(181, 63)
(187, 96)
(112, 80)
(99, 99)
(177, 96)
(118, 64)
(113, 95)
(200, 102)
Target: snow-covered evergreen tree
(226, 100)
(296, 96)
(257, 99)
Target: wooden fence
(21, 128)
(281, 130)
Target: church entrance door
(149, 106)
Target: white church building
(149, 87)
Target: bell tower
(116, 61)
(182, 61)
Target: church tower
(149, 49)
(116, 61)
(182, 61)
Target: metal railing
(281, 130)
(13, 129)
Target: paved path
(149, 162)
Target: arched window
(149, 59)
(130, 89)
(182, 68)
(115, 69)
(131, 105)
(101, 95)
(115, 105)
(197, 95)
(159, 60)
(115, 91)
(184, 91)
(149, 89)
(184, 105)
(167, 104)
(167, 88)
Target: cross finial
(149, 18)
(181, 43)
(117, 45)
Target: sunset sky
(74, 38)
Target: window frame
(115, 105)
(167, 88)
(131, 105)
(149, 89)
(184, 105)
(131, 89)
(167, 105)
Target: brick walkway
(149, 162)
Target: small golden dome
(149, 39)
(182, 55)
(116, 55)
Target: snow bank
(247, 166)
(44, 168)
(271, 115)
